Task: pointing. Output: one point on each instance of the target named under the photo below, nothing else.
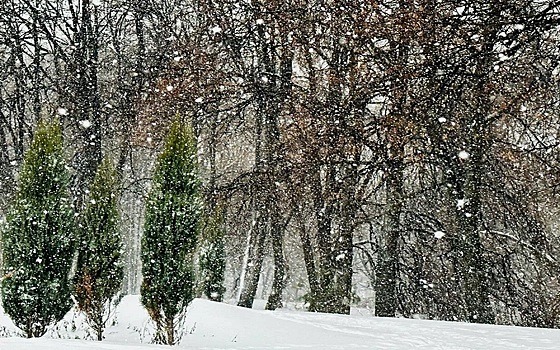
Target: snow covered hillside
(212, 325)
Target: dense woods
(392, 154)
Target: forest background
(403, 150)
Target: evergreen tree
(99, 267)
(212, 260)
(37, 241)
(170, 233)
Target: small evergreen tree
(99, 269)
(212, 260)
(37, 241)
(170, 233)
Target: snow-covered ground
(212, 325)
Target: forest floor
(211, 325)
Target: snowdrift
(212, 325)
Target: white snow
(211, 325)
(464, 155)
(460, 10)
(85, 123)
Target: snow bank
(212, 325)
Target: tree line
(410, 144)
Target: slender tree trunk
(21, 101)
(132, 98)
(386, 276)
(275, 297)
(343, 275)
(29, 329)
(277, 237)
(170, 330)
(259, 193)
(283, 86)
(324, 299)
(36, 70)
(473, 263)
(99, 332)
(255, 256)
(98, 313)
(396, 131)
(6, 176)
(308, 253)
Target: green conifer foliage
(38, 238)
(212, 259)
(99, 269)
(170, 233)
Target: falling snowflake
(85, 124)
(464, 155)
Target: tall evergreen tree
(100, 271)
(170, 233)
(212, 261)
(37, 242)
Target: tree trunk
(260, 187)
(99, 334)
(254, 261)
(343, 254)
(386, 275)
(322, 299)
(87, 100)
(278, 283)
(98, 312)
(170, 330)
(308, 254)
(472, 260)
